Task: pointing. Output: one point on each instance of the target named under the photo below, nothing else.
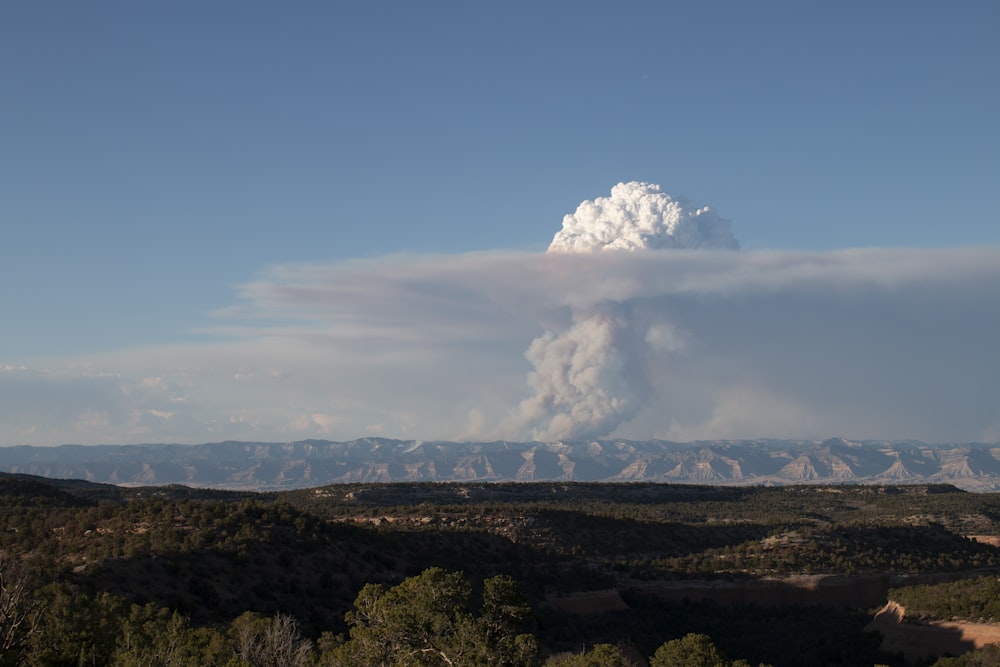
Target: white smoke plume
(590, 377)
(583, 380)
(640, 216)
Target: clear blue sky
(154, 156)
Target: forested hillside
(106, 575)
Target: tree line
(428, 620)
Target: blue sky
(160, 160)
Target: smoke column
(589, 378)
(583, 383)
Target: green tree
(157, 637)
(75, 629)
(427, 621)
(601, 655)
(987, 656)
(691, 650)
(498, 629)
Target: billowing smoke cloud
(640, 216)
(583, 380)
(590, 378)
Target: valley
(789, 575)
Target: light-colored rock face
(315, 463)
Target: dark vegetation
(976, 600)
(472, 574)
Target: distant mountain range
(308, 463)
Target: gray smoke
(590, 377)
(584, 382)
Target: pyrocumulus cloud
(640, 216)
(588, 379)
